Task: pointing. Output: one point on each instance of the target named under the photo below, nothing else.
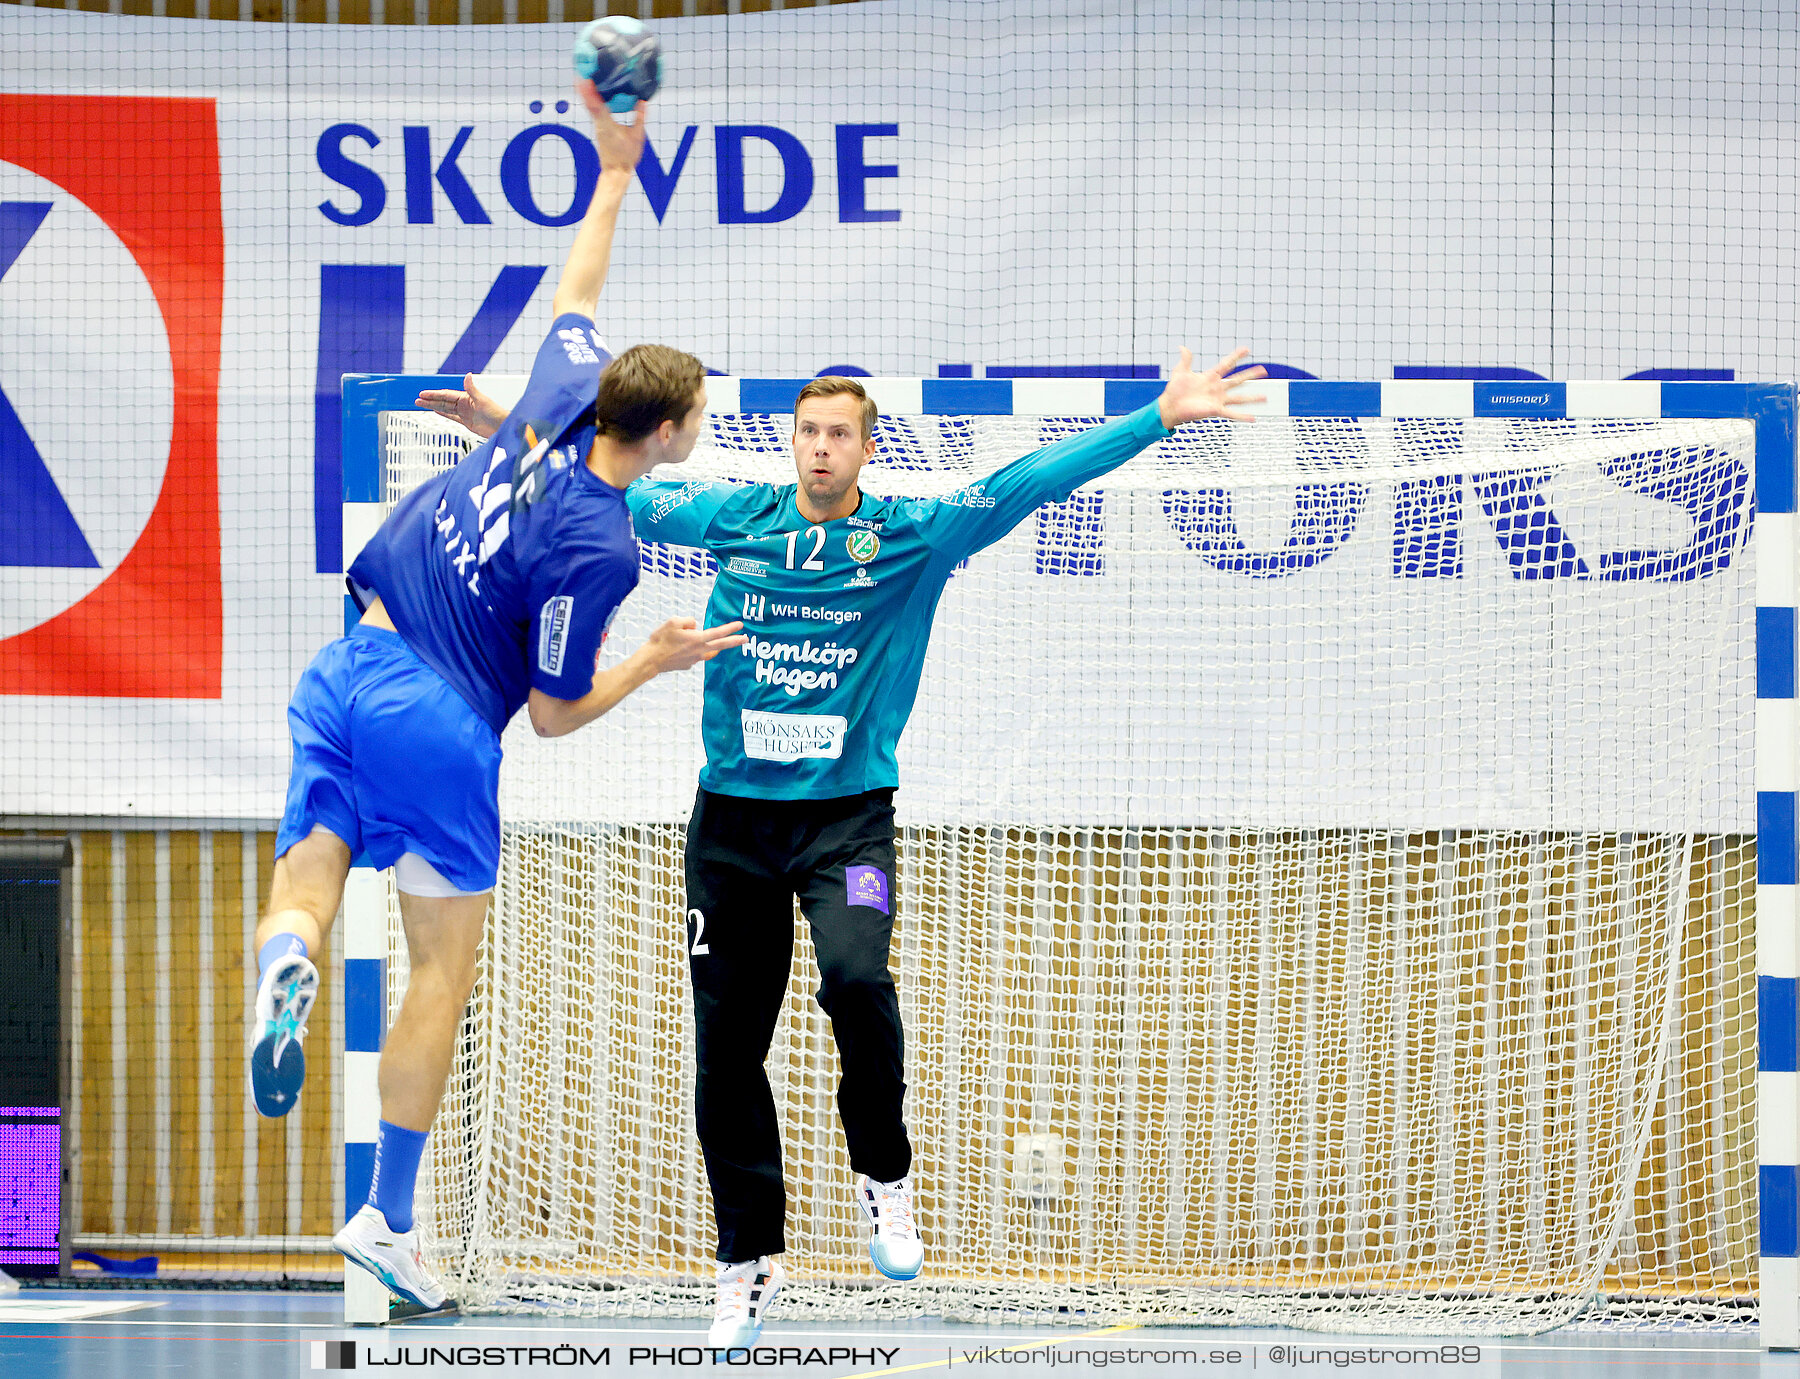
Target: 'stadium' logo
(863, 546)
(111, 295)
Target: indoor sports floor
(50, 1334)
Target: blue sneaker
(895, 1246)
(284, 998)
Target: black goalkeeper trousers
(746, 862)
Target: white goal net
(1325, 898)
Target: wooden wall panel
(231, 1090)
(187, 1040)
(164, 1141)
(91, 1128)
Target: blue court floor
(58, 1333)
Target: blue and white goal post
(1769, 407)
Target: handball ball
(623, 58)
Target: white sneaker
(284, 998)
(392, 1256)
(895, 1246)
(745, 1292)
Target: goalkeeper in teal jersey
(836, 590)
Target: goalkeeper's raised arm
(1044, 476)
(980, 514)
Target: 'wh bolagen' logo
(111, 295)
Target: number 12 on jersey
(812, 561)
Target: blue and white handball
(623, 58)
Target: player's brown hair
(644, 387)
(833, 386)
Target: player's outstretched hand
(1194, 396)
(620, 145)
(682, 642)
(468, 406)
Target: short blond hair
(831, 385)
(644, 387)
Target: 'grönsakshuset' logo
(112, 276)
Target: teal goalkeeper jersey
(839, 613)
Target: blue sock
(396, 1167)
(277, 948)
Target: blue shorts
(392, 759)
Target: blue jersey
(838, 614)
(503, 574)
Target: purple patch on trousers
(866, 886)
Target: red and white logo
(111, 293)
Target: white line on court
(49, 1310)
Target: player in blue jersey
(487, 589)
(837, 590)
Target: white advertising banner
(203, 225)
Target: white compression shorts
(415, 876)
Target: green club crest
(862, 546)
